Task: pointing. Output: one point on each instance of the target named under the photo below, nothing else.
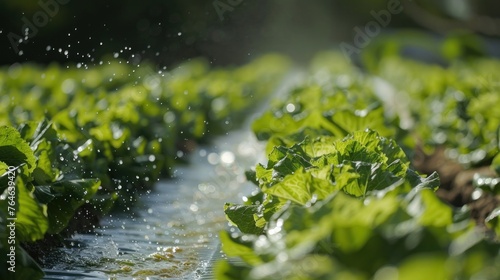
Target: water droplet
(290, 108)
(361, 113)
(202, 153)
(68, 86)
(477, 194)
(180, 154)
(169, 117)
(227, 157)
(213, 158)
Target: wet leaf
(14, 150)
(31, 217)
(68, 197)
(243, 217)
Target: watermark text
(222, 7)
(363, 36)
(30, 28)
(11, 219)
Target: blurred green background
(225, 31)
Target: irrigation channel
(172, 232)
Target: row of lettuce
(339, 198)
(75, 138)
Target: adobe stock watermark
(221, 7)
(363, 36)
(11, 219)
(30, 28)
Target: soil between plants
(457, 183)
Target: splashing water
(173, 231)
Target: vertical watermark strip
(11, 219)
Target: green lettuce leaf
(68, 197)
(14, 150)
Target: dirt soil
(456, 182)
